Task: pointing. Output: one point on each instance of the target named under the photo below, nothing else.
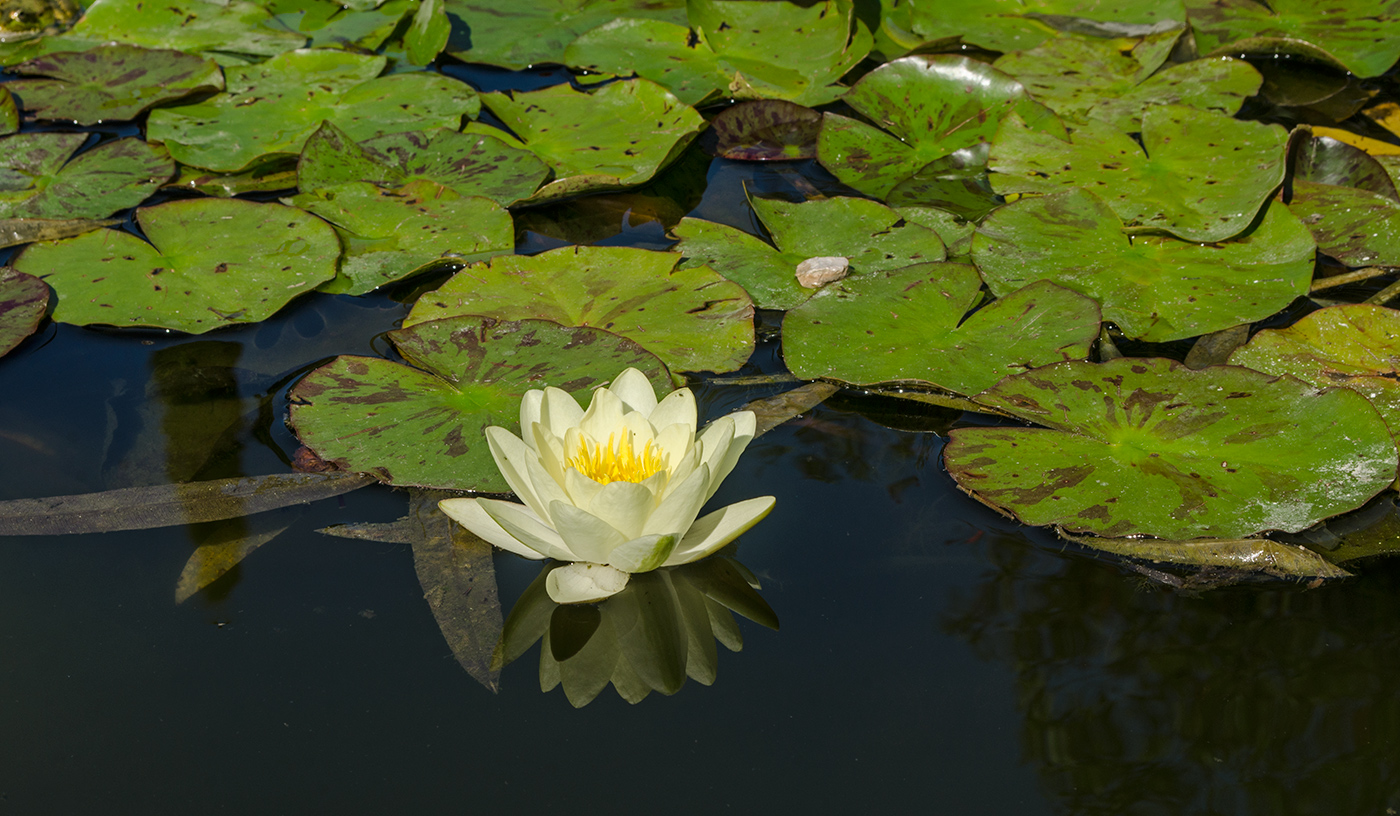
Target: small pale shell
(815, 272)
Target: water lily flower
(615, 489)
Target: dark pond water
(933, 656)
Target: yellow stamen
(618, 461)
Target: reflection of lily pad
(907, 325)
(274, 106)
(1354, 226)
(766, 130)
(1199, 175)
(691, 318)
(1359, 34)
(1149, 447)
(37, 179)
(873, 237)
(425, 427)
(1154, 287)
(23, 300)
(110, 82)
(210, 263)
(392, 234)
(518, 35)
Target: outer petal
(682, 504)
(680, 471)
(527, 528)
(559, 411)
(626, 506)
(512, 456)
(719, 528)
(643, 554)
(551, 451)
(677, 407)
(720, 466)
(713, 444)
(635, 391)
(588, 537)
(470, 515)
(530, 413)
(583, 583)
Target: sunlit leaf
(38, 179)
(111, 82)
(518, 35)
(1358, 34)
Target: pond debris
(815, 273)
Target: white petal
(511, 455)
(603, 417)
(642, 432)
(643, 554)
(559, 411)
(551, 452)
(470, 515)
(719, 528)
(677, 407)
(680, 471)
(530, 413)
(625, 506)
(680, 507)
(588, 537)
(546, 488)
(675, 440)
(713, 443)
(583, 583)
(744, 427)
(527, 528)
(580, 488)
(635, 391)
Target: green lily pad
(1149, 447)
(1327, 161)
(741, 50)
(425, 427)
(428, 34)
(906, 325)
(518, 35)
(9, 112)
(873, 237)
(1199, 175)
(1358, 34)
(597, 141)
(38, 179)
(475, 164)
(1356, 227)
(23, 301)
(766, 130)
(110, 82)
(264, 176)
(193, 26)
(691, 318)
(928, 108)
(211, 262)
(1154, 287)
(1016, 25)
(1355, 345)
(329, 23)
(271, 108)
(955, 232)
(392, 234)
(1115, 81)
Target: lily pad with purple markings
(518, 35)
(424, 426)
(40, 178)
(1356, 227)
(1149, 447)
(233, 27)
(23, 301)
(1358, 35)
(332, 24)
(766, 130)
(110, 83)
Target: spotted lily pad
(1154, 287)
(392, 234)
(1016, 25)
(271, 108)
(518, 35)
(1354, 226)
(766, 130)
(691, 318)
(907, 325)
(23, 301)
(1199, 175)
(1149, 447)
(211, 262)
(235, 27)
(873, 237)
(39, 179)
(330, 23)
(929, 108)
(110, 82)
(1328, 161)
(424, 426)
(1358, 34)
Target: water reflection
(651, 636)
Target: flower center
(618, 461)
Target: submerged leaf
(767, 130)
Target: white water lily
(615, 489)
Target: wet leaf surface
(39, 178)
(110, 82)
(1357, 34)
(236, 27)
(329, 23)
(1354, 226)
(23, 301)
(1013, 25)
(522, 34)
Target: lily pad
(211, 262)
(691, 318)
(1355, 345)
(1358, 34)
(9, 111)
(1199, 175)
(599, 140)
(1156, 288)
(234, 26)
(23, 301)
(873, 237)
(111, 82)
(1149, 447)
(1328, 161)
(766, 130)
(330, 23)
(1356, 227)
(392, 234)
(424, 426)
(928, 107)
(271, 108)
(1016, 25)
(264, 176)
(428, 34)
(518, 35)
(743, 50)
(907, 325)
(38, 179)
(476, 164)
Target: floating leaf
(425, 427)
(1252, 554)
(907, 325)
(691, 318)
(38, 179)
(1199, 175)
(518, 35)
(1354, 226)
(234, 26)
(264, 176)
(766, 130)
(111, 82)
(210, 263)
(1357, 34)
(1328, 161)
(298, 91)
(1154, 287)
(1016, 25)
(23, 301)
(354, 25)
(9, 112)
(1149, 447)
(428, 34)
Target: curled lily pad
(1354, 226)
(907, 325)
(1327, 161)
(1154, 287)
(298, 91)
(424, 426)
(23, 301)
(111, 82)
(1149, 447)
(518, 35)
(691, 318)
(236, 27)
(38, 179)
(766, 130)
(1199, 175)
(210, 263)
(1357, 34)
